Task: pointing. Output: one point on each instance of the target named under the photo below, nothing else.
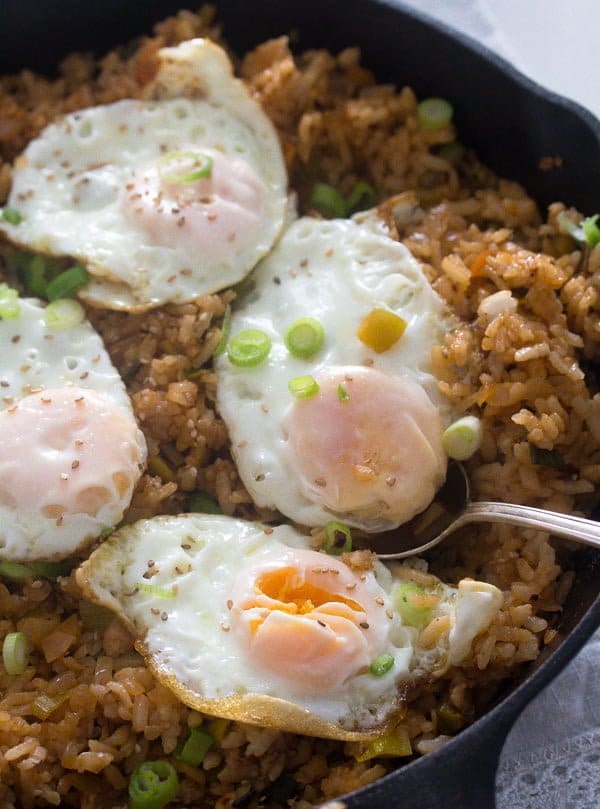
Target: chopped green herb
(328, 201)
(304, 337)
(195, 747)
(153, 785)
(591, 231)
(64, 313)
(184, 167)
(155, 590)
(9, 302)
(225, 329)
(66, 284)
(546, 457)
(203, 503)
(362, 196)
(434, 113)
(12, 216)
(249, 348)
(342, 393)
(463, 438)
(303, 387)
(381, 664)
(338, 538)
(15, 653)
(413, 604)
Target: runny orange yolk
(311, 620)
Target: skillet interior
(506, 118)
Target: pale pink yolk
(219, 215)
(369, 446)
(68, 451)
(310, 620)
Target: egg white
(171, 580)
(74, 181)
(336, 271)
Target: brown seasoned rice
(516, 361)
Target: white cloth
(551, 759)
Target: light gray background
(551, 759)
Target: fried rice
(86, 712)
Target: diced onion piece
(381, 329)
(44, 705)
(381, 664)
(434, 113)
(338, 538)
(303, 387)
(9, 302)
(153, 785)
(204, 503)
(225, 329)
(64, 313)
(395, 743)
(249, 348)
(500, 303)
(184, 167)
(15, 653)
(328, 201)
(413, 604)
(12, 216)
(195, 747)
(463, 438)
(304, 337)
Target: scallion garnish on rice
(203, 503)
(66, 284)
(12, 216)
(249, 348)
(381, 664)
(65, 313)
(153, 785)
(338, 538)
(9, 302)
(434, 113)
(463, 438)
(155, 590)
(225, 329)
(303, 387)
(15, 653)
(304, 337)
(196, 746)
(184, 167)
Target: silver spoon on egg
(452, 509)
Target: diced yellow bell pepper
(381, 329)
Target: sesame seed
(321, 482)
(4, 383)
(186, 546)
(363, 577)
(259, 478)
(78, 442)
(46, 399)
(351, 585)
(369, 362)
(322, 623)
(181, 222)
(304, 262)
(335, 571)
(225, 626)
(75, 465)
(150, 562)
(364, 625)
(268, 530)
(64, 476)
(15, 339)
(154, 610)
(163, 616)
(242, 444)
(390, 481)
(329, 253)
(8, 399)
(276, 280)
(379, 601)
(229, 603)
(264, 407)
(389, 614)
(12, 409)
(84, 375)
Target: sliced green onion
(225, 329)
(381, 664)
(9, 302)
(34, 276)
(304, 337)
(249, 348)
(338, 538)
(407, 599)
(450, 720)
(566, 225)
(591, 231)
(362, 196)
(152, 785)
(546, 457)
(19, 572)
(463, 438)
(196, 747)
(15, 653)
(184, 167)
(434, 113)
(12, 216)
(342, 393)
(204, 503)
(66, 284)
(303, 387)
(328, 201)
(155, 590)
(65, 313)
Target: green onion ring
(202, 166)
(15, 653)
(153, 785)
(67, 283)
(434, 113)
(304, 337)
(303, 387)
(195, 747)
(64, 313)
(328, 201)
(249, 348)
(381, 664)
(333, 531)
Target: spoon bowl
(452, 509)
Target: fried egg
(366, 447)
(70, 449)
(246, 622)
(162, 199)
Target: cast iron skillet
(511, 122)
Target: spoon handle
(561, 525)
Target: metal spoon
(452, 509)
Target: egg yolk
(219, 214)
(68, 451)
(368, 445)
(310, 620)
